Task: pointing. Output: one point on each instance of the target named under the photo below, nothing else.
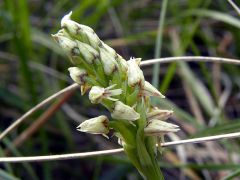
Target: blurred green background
(204, 96)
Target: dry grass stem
(112, 151)
(191, 58)
(234, 6)
(38, 106)
(40, 121)
(143, 63)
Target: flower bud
(97, 94)
(157, 127)
(122, 62)
(150, 90)
(159, 114)
(122, 111)
(79, 31)
(135, 74)
(109, 49)
(97, 125)
(69, 46)
(108, 61)
(89, 54)
(78, 75)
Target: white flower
(97, 125)
(97, 94)
(159, 114)
(123, 111)
(150, 90)
(78, 75)
(135, 74)
(157, 127)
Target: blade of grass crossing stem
(234, 126)
(232, 175)
(44, 148)
(98, 167)
(6, 176)
(15, 152)
(158, 45)
(7, 166)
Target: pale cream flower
(90, 55)
(123, 111)
(78, 75)
(159, 114)
(150, 90)
(135, 74)
(69, 46)
(97, 94)
(157, 127)
(97, 125)
(108, 61)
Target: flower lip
(97, 94)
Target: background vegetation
(204, 96)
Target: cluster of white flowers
(111, 80)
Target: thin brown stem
(38, 106)
(40, 121)
(143, 63)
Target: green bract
(118, 85)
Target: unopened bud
(125, 112)
(159, 114)
(97, 94)
(109, 49)
(97, 125)
(78, 75)
(135, 74)
(79, 31)
(108, 61)
(122, 62)
(89, 54)
(150, 90)
(68, 45)
(157, 127)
